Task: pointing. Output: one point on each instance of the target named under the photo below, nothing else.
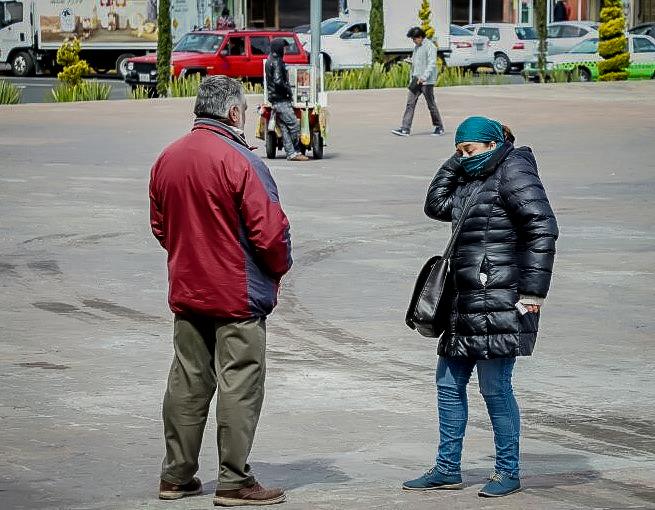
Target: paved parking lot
(85, 343)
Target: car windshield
(331, 26)
(588, 46)
(199, 43)
(526, 33)
(456, 30)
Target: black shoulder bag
(432, 299)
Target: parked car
(512, 45)
(643, 29)
(468, 49)
(344, 44)
(564, 35)
(584, 59)
(235, 53)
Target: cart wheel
(317, 145)
(271, 144)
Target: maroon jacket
(214, 208)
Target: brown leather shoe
(169, 491)
(255, 495)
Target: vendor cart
(310, 106)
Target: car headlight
(130, 66)
(153, 72)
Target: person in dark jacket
(561, 11)
(215, 209)
(502, 266)
(280, 96)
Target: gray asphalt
(85, 343)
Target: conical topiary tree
(425, 15)
(164, 47)
(613, 45)
(376, 24)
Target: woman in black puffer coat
(502, 266)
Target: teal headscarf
(479, 129)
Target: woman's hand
(533, 308)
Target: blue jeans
(495, 379)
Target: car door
(353, 46)
(235, 56)
(259, 46)
(11, 15)
(642, 58)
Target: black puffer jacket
(277, 77)
(509, 235)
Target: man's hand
(533, 308)
(420, 81)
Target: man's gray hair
(216, 95)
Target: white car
(512, 45)
(468, 49)
(564, 35)
(344, 44)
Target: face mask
(476, 164)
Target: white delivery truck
(400, 16)
(346, 43)
(111, 31)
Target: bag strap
(460, 223)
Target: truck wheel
(271, 144)
(22, 64)
(121, 64)
(317, 145)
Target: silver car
(512, 45)
(564, 35)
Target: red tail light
(518, 46)
(463, 44)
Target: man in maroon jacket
(214, 207)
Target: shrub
(425, 15)
(9, 93)
(84, 91)
(139, 92)
(68, 56)
(253, 87)
(453, 76)
(613, 46)
(376, 31)
(185, 87)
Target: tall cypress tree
(164, 47)
(376, 31)
(541, 21)
(613, 45)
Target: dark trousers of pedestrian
(226, 357)
(412, 98)
(289, 126)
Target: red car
(235, 53)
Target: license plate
(144, 77)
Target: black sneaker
(400, 132)
(438, 131)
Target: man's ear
(234, 115)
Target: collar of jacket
(222, 129)
(490, 167)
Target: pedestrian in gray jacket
(424, 78)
